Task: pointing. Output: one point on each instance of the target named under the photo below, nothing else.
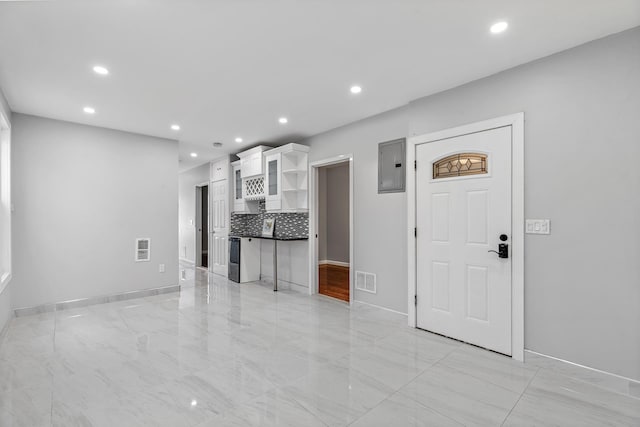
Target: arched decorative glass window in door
(461, 164)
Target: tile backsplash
(287, 224)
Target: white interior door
(463, 209)
(219, 209)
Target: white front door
(463, 211)
(219, 226)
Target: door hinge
(415, 300)
(415, 164)
(415, 232)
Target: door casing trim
(313, 221)
(516, 121)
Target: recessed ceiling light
(356, 89)
(89, 110)
(194, 154)
(283, 120)
(498, 27)
(175, 127)
(238, 140)
(99, 69)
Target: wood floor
(334, 281)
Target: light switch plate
(538, 226)
(161, 268)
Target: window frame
(483, 160)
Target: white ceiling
(230, 68)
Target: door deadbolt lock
(503, 250)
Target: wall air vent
(366, 282)
(143, 249)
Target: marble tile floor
(222, 354)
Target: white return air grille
(143, 249)
(366, 281)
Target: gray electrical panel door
(391, 166)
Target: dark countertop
(270, 238)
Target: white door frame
(198, 222)
(313, 221)
(516, 121)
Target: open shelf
(294, 171)
(292, 174)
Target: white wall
(582, 282)
(5, 293)
(187, 209)
(582, 110)
(379, 219)
(82, 195)
(4, 105)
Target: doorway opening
(202, 226)
(333, 234)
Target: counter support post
(275, 265)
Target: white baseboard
(85, 302)
(5, 328)
(597, 377)
(331, 262)
(380, 307)
(188, 261)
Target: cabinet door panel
(273, 182)
(256, 163)
(244, 168)
(237, 190)
(219, 170)
(237, 183)
(251, 165)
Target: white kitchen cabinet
(219, 170)
(249, 259)
(286, 179)
(251, 162)
(273, 182)
(240, 203)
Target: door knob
(503, 250)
